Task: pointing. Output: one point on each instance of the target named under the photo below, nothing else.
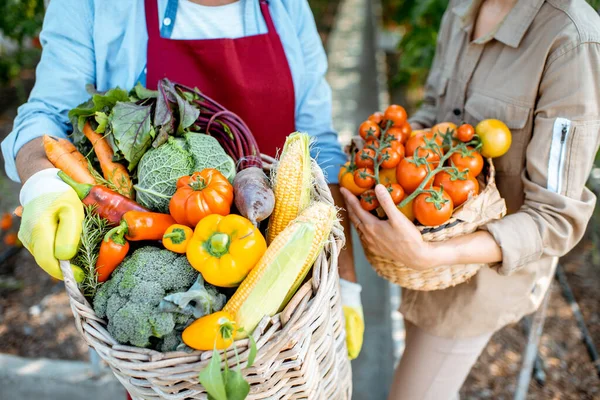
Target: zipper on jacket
(558, 150)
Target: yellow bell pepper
(211, 331)
(225, 248)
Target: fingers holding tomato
(368, 200)
(364, 178)
(346, 179)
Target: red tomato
(396, 114)
(363, 177)
(389, 158)
(409, 175)
(436, 212)
(471, 160)
(465, 133)
(418, 142)
(399, 132)
(458, 189)
(364, 158)
(368, 200)
(376, 117)
(396, 192)
(369, 130)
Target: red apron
(249, 75)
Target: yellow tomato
(495, 137)
(419, 132)
(215, 330)
(443, 127)
(387, 176)
(346, 179)
(407, 210)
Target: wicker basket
(475, 212)
(301, 351)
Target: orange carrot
(113, 172)
(64, 156)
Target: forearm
(31, 158)
(476, 248)
(346, 260)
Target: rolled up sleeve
(559, 158)
(66, 66)
(314, 112)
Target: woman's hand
(396, 239)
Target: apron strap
(264, 8)
(151, 7)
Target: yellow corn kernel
(292, 183)
(283, 267)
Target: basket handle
(70, 283)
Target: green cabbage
(160, 168)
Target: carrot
(64, 156)
(113, 172)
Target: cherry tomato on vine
(410, 175)
(465, 133)
(418, 142)
(396, 192)
(469, 159)
(459, 190)
(363, 177)
(407, 210)
(369, 130)
(376, 117)
(368, 200)
(389, 158)
(396, 114)
(387, 176)
(399, 133)
(433, 208)
(346, 179)
(364, 158)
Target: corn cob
(281, 270)
(292, 183)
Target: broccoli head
(129, 299)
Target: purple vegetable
(253, 196)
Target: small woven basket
(301, 351)
(475, 212)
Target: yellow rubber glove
(353, 313)
(52, 222)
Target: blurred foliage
(418, 21)
(20, 22)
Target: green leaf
(253, 350)
(212, 379)
(132, 130)
(100, 102)
(236, 387)
(102, 120)
(143, 93)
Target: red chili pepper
(110, 205)
(142, 225)
(112, 252)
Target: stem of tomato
(383, 144)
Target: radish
(253, 196)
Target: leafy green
(100, 102)
(208, 153)
(236, 386)
(158, 172)
(132, 130)
(199, 300)
(212, 379)
(142, 93)
(174, 112)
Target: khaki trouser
(432, 367)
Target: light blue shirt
(104, 42)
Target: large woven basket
(475, 212)
(301, 351)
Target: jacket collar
(511, 30)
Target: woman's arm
(66, 66)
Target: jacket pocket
(558, 153)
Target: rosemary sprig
(94, 229)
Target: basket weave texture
(475, 212)
(301, 351)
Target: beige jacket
(539, 72)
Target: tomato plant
(368, 200)
(459, 185)
(467, 158)
(433, 207)
(369, 130)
